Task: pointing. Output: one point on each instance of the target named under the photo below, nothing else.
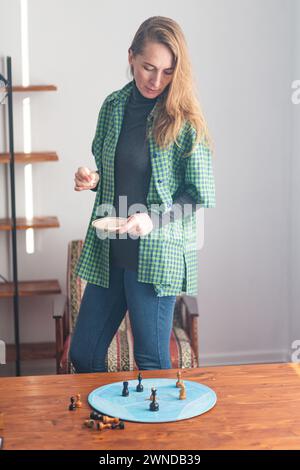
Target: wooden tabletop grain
(258, 408)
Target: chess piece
(125, 391)
(182, 392)
(151, 396)
(179, 381)
(154, 406)
(120, 425)
(101, 426)
(95, 415)
(107, 419)
(139, 387)
(72, 405)
(78, 403)
(89, 423)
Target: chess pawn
(72, 405)
(107, 419)
(179, 381)
(139, 387)
(125, 391)
(78, 401)
(101, 426)
(182, 392)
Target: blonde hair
(180, 102)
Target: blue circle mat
(108, 400)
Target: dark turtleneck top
(132, 177)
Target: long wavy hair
(179, 102)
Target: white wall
(244, 272)
(294, 292)
(241, 51)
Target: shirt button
(160, 181)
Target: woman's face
(152, 70)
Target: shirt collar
(120, 97)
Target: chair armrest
(59, 306)
(61, 329)
(189, 311)
(190, 304)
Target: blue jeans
(100, 315)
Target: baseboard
(244, 357)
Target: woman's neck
(138, 97)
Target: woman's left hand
(137, 224)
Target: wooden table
(258, 408)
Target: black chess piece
(125, 391)
(120, 425)
(154, 406)
(95, 415)
(139, 387)
(72, 405)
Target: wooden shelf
(30, 288)
(25, 288)
(36, 222)
(32, 157)
(24, 89)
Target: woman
(151, 147)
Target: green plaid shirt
(168, 254)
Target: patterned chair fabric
(120, 355)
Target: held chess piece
(78, 403)
(139, 387)
(182, 392)
(179, 381)
(154, 406)
(125, 391)
(72, 405)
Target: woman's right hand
(85, 179)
